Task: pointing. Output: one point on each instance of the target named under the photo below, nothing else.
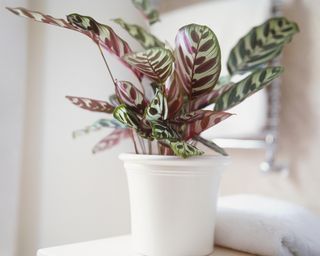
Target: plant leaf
(127, 117)
(91, 105)
(146, 39)
(164, 133)
(198, 59)
(174, 94)
(158, 108)
(155, 63)
(198, 121)
(261, 44)
(246, 87)
(97, 126)
(212, 145)
(112, 140)
(210, 97)
(185, 150)
(147, 11)
(101, 34)
(129, 95)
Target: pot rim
(205, 160)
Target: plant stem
(150, 147)
(105, 61)
(134, 142)
(142, 145)
(159, 148)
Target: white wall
(68, 194)
(12, 88)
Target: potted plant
(173, 188)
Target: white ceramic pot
(173, 203)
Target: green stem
(134, 142)
(105, 61)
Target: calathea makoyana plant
(183, 81)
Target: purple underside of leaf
(209, 98)
(91, 105)
(204, 119)
(112, 140)
(109, 41)
(129, 95)
(174, 94)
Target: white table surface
(116, 246)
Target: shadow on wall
(297, 127)
(30, 185)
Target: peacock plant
(183, 81)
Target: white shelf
(116, 246)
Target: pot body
(173, 203)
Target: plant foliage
(183, 81)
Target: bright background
(53, 191)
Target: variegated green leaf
(158, 108)
(198, 59)
(185, 150)
(97, 126)
(212, 145)
(147, 11)
(112, 140)
(246, 87)
(129, 95)
(261, 44)
(146, 39)
(163, 132)
(91, 105)
(156, 63)
(127, 117)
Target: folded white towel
(265, 226)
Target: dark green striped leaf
(129, 95)
(246, 87)
(158, 108)
(127, 117)
(261, 44)
(163, 132)
(146, 39)
(185, 150)
(147, 11)
(210, 144)
(155, 63)
(198, 59)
